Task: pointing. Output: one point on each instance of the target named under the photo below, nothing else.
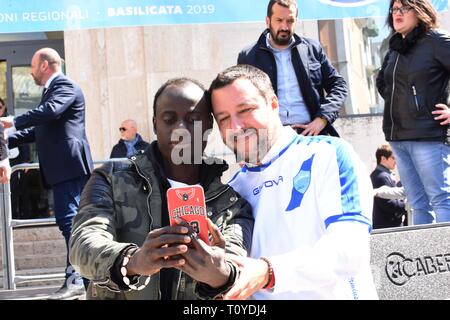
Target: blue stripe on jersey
(300, 184)
(243, 170)
(234, 177)
(350, 198)
(266, 165)
(348, 217)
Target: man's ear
(267, 22)
(44, 65)
(274, 103)
(154, 125)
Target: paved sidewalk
(37, 293)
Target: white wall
(364, 133)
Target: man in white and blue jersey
(311, 199)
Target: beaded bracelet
(124, 271)
(271, 281)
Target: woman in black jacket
(413, 81)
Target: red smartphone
(188, 204)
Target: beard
(36, 80)
(279, 39)
(250, 146)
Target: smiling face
(245, 118)
(179, 109)
(404, 18)
(281, 24)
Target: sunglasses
(122, 129)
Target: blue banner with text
(54, 15)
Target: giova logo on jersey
(267, 184)
(347, 3)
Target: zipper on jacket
(175, 295)
(149, 190)
(274, 65)
(392, 96)
(182, 292)
(415, 97)
(94, 290)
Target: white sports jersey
(311, 199)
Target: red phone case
(188, 204)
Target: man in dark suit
(299, 71)
(386, 213)
(57, 126)
(5, 169)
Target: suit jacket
(315, 75)
(386, 213)
(57, 126)
(3, 147)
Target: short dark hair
(422, 8)
(243, 71)
(175, 82)
(383, 151)
(283, 3)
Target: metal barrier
(7, 224)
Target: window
(357, 58)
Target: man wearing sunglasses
(130, 141)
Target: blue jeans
(66, 200)
(424, 168)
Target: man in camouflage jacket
(124, 201)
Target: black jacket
(123, 201)
(412, 82)
(314, 72)
(386, 213)
(120, 149)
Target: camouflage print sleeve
(93, 245)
